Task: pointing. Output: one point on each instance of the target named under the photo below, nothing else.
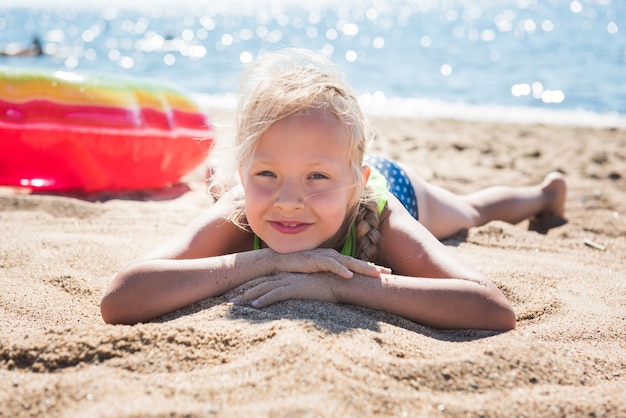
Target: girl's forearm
(441, 303)
(151, 288)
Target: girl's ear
(366, 173)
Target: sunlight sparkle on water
(558, 54)
(538, 92)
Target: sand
(566, 357)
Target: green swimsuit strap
(257, 243)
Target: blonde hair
(294, 81)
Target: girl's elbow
(111, 311)
(506, 320)
(117, 307)
(107, 311)
(501, 317)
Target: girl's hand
(286, 286)
(325, 260)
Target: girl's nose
(289, 198)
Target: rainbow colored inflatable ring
(64, 131)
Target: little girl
(313, 217)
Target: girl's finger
(336, 267)
(275, 295)
(257, 291)
(362, 267)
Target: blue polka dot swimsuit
(399, 182)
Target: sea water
(550, 61)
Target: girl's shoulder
(407, 247)
(213, 232)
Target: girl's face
(299, 182)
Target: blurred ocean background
(548, 61)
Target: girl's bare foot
(554, 189)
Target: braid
(367, 234)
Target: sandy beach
(567, 356)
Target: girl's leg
(444, 213)
(514, 204)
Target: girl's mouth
(289, 227)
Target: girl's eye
(265, 174)
(318, 176)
